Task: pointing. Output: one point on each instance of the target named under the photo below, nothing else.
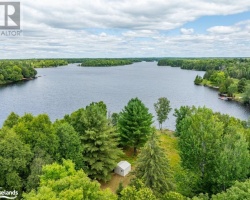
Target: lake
(62, 90)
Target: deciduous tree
(162, 109)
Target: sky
(130, 28)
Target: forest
(207, 157)
(23, 69)
(231, 76)
(104, 62)
(17, 70)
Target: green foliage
(45, 63)
(201, 197)
(13, 71)
(217, 78)
(134, 124)
(106, 62)
(225, 85)
(14, 159)
(198, 80)
(162, 109)
(98, 139)
(240, 190)
(114, 119)
(70, 146)
(119, 189)
(246, 95)
(76, 120)
(242, 85)
(11, 120)
(18, 70)
(137, 191)
(234, 67)
(217, 152)
(187, 182)
(197, 64)
(40, 159)
(181, 114)
(38, 132)
(152, 167)
(173, 196)
(64, 182)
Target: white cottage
(123, 168)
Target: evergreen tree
(134, 124)
(100, 151)
(119, 189)
(152, 167)
(162, 108)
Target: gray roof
(124, 164)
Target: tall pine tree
(134, 124)
(100, 151)
(152, 167)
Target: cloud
(187, 31)
(126, 14)
(223, 29)
(125, 28)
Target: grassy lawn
(168, 142)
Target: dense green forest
(47, 63)
(235, 67)
(231, 76)
(11, 71)
(18, 70)
(106, 62)
(69, 158)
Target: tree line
(235, 67)
(230, 75)
(11, 71)
(17, 70)
(106, 62)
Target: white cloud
(129, 14)
(126, 28)
(223, 29)
(187, 31)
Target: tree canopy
(134, 124)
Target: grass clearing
(170, 143)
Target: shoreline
(19, 81)
(222, 95)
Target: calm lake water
(62, 90)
